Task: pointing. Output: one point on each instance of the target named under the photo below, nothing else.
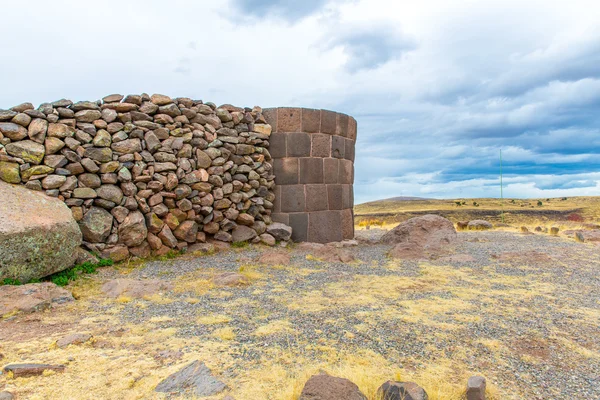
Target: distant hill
(399, 198)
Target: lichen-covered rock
(27, 150)
(38, 235)
(96, 225)
(10, 172)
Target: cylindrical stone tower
(313, 162)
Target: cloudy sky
(438, 87)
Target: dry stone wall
(313, 162)
(145, 174)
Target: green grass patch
(63, 278)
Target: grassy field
(568, 212)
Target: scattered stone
(479, 225)
(476, 388)
(230, 279)
(554, 230)
(31, 297)
(275, 258)
(392, 390)
(332, 254)
(25, 370)
(73, 339)
(279, 231)
(6, 396)
(326, 387)
(195, 379)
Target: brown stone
(289, 119)
(298, 144)
(346, 172)
(321, 227)
(335, 194)
(401, 391)
(476, 388)
(73, 339)
(278, 145)
(187, 231)
(311, 120)
(286, 171)
(26, 370)
(275, 258)
(167, 237)
(299, 224)
(321, 145)
(347, 217)
(292, 198)
(328, 122)
(230, 279)
(429, 235)
(326, 387)
(330, 170)
(133, 230)
(352, 129)
(116, 253)
(342, 125)
(349, 152)
(311, 170)
(317, 197)
(338, 147)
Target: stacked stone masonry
(313, 163)
(145, 174)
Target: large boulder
(38, 235)
(422, 237)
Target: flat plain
(523, 310)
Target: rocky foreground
(520, 310)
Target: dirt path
(521, 310)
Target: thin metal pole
(501, 192)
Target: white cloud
(437, 87)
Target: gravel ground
(523, 310)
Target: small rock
(194, 379)
(25, 370)
(6, 396)
(275, 258)
(326, 387)
(391, 390)
(479, 225)
(334, 255)
(267, 239)
(230, 279)
(279, 231)
(476, 388)
(73, 339)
